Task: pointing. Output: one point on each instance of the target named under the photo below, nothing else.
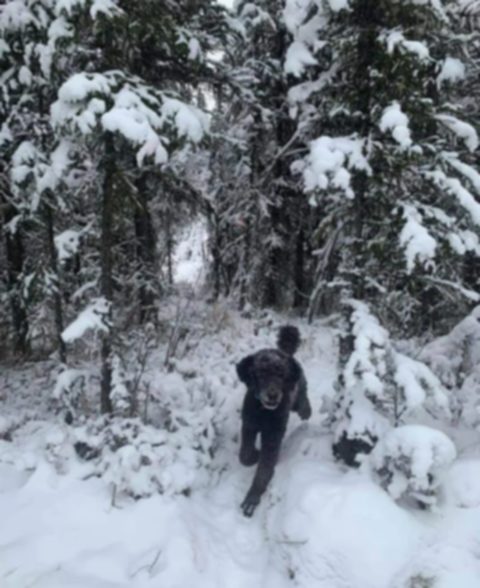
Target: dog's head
(270, 374)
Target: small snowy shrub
(5, 426)
(8, 426)
(358, 431)
(455, 359)
(421, 581)
(378, 385)
(141, 460)
(69, 393)
(410, 461)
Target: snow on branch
(67, 243)
(94, 317)
(121, 104)
(419, 245)
(23, 161)
(297, 58)
(16, 16)
(106, 8)
(190, 122)
(254, 15)
(304, 25)
(330, 160)
(297, 15)
(461, 129)
(453, 70)
(466, 170)
(33, 171)
(395, 39)
(464, 241)
(396, 121)
(454, 187)
(411, 461)
(55, 170)
(418, 382)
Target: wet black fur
(269, 373)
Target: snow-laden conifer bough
(276, 385)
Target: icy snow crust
(320, 525)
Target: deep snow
(319, 525)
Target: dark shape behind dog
(276, 385)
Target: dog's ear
(245, 370)
(294, 372)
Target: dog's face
(271, 374)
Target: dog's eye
(264, 360)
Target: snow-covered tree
(389, 154)
(99, 120)
(410, 461)
(455, 359)
(379, 387)
(32, 35)
(260, 219)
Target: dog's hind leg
(302, 404)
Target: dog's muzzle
(270, 406)
(270, 400)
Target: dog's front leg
(249, 454)
(271, 441)
(302, 404)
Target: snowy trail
(320, 525)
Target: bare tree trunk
(146, 250)
(300, 298)
(169, 244)
(106, 264)
(15, 261)
(286, 262)
(368, 16)
(57, 297)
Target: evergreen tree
(391, 147)
(98, 124)
(388, 155)
(260, 219)
(32, 36)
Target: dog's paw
(249, 505)
(249, 458)
(305, 412)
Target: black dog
(276, 385)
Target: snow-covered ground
(320, 524)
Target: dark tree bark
(300, 298)
(368, 16)
(57, 298)
(106, 264)
(145, 249)
(15, 255)
(169, 244)
(286, 269)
